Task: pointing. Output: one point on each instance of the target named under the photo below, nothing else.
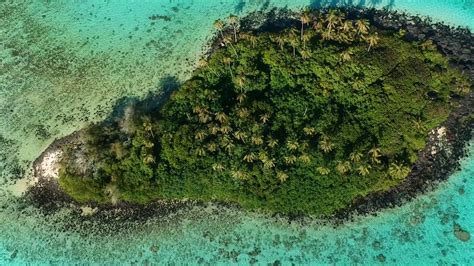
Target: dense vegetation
(302, 120)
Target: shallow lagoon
(67, 63)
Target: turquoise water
(64, 64)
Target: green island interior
(302, 120)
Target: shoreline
(429, 169)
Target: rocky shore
(439, 159)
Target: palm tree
(239, 175)
(323, 170)
(289, 160)
(240, 135)
(241, 97)
(305, 19)
(282, 176)
(148, 127)
(218, 167)
(294, 44)
(240, 79)
(243, 112)
(343, 167)
(304, 158)
(212, 147)
(200, 152)
(272, 143)
(327, 35)
(228, 61)
(222, 117)
(219, 26)
(346, 55)
(305, 54)
(280, 41)
(375, 155)
(200, 135)
(226, 129)
(363, 170)
(233, 21)
(372, 40)
(257, 140)
(325, 144)
(309, 131)
(228, 40)
(292, 145)
(264, 118)
(306, 38)
(362, 26)
(148, 159)
(253, 40)
(355, 156)
(398, 171)
(332, 19)
(250, 158)
(269, 164)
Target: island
(320, 110)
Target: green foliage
(303, 120)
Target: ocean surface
(67, 63)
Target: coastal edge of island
(446, 144)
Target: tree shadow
(316, 4)
(151, 103)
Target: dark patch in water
(157, 17)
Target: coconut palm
(148, 159)
(294, 44)
(272, 143)
(212, 147)
(219, 26)
(332, 20)
(243, 112)
(257, 140)
(305, 54)
(306, 38)
(239, 175)
(309, 131)
(200, 152)
(217, 167)
(280, 41)
(398, 171)
(228, 41)
(228, 62)
(292, 145)
(282, 176)
(372, 40)
(362, 26)
(289, 160)
(304, 158)
(253, 40)
(222, 117)
(233, 21)
(200, 135)
(264, 118)
(305, 19)
(346, 55)
(355, 157)
(240, 135)
(240, 79)
(148, 127)
(375, 155)
(327, 35)
(250, 158)
(323, 170)
(241, 97)
(363, 170)
(343, 167)
(269, 164)
(325, 144)
(226, 129)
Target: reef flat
(448, 138)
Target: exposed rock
(460, 233)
